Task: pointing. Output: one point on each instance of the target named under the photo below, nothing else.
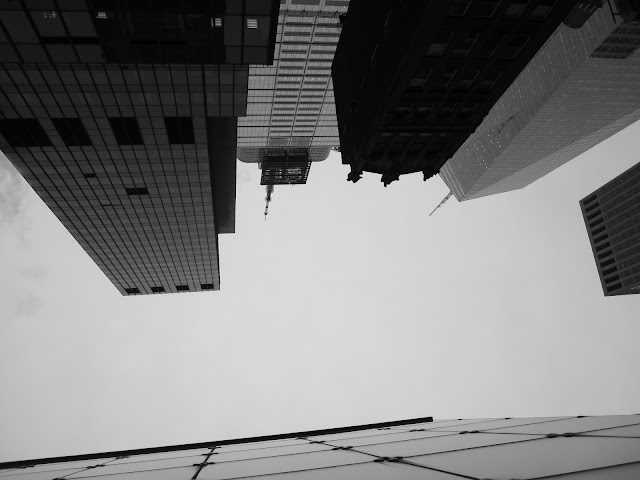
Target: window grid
(296, 74)
(81, 209)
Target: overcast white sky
(349, 305)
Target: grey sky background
(349, 305)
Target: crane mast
(269, 190)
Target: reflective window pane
(364, 471)
(575, 425)
(446, 443)
(620, 472)
(160, 464)
(498, 423)
(259, 445)
(49, 474)
(283, 464)
(630, 431)
(353, 435)
(75, 465)
(165, 474)
(539, 458)
(390, 437)
(230, 456)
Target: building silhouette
(414, 79)
(570, 448)
(581, 88)
(612, 218)
(122, 116)
(291, 118)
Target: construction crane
(268, 200)
(442, 202)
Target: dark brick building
(122, 116)
(414, 79)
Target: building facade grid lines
(570, 97)
(560, 447)
(51, 167)
(118, 113)
(612, 218)
(103, 101)
(291, 102)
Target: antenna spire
(444, 200)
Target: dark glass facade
(285, 166)
(188, 31)
(571, 448)
(612, 218)
(414, 79)
(135, 159)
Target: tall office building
(570, 448)
(581, 88)
(122, 116)
(414, 79)
(612, 217)
(291, 117)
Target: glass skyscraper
(612, 217)
(117, 114)
(414, 79)
(563, 448)
(291, 116)
(581, 88)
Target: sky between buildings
(349, 305)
